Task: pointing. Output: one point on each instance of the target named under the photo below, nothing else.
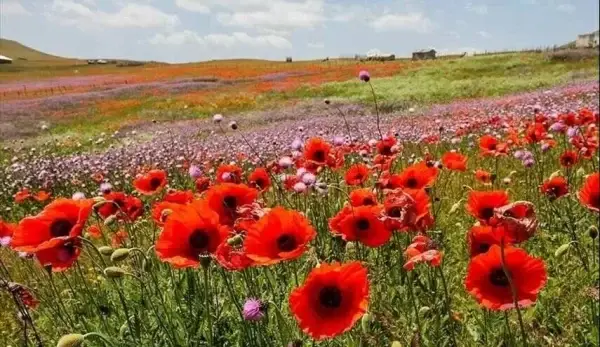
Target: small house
(590, 40)
(5, 60)
(424, 54)
(288, 59)
(101, 61)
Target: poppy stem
(514, 293)
(207, 314)
(376, 109)
(414, 303)
(448, 305)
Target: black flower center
(230, 202)
(199, 239)
(498, 278)
(286, 242)
(330, 297)
(395, 212)
(60, 227)
(492, 147)
(155, 183)
(362, 224)
(412, 182)
(260, 183)
(368, 201)
(319, 156)
(483, 248)
(386, 150)
(487, 212)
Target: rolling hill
(18, 51)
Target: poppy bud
(105, 250)
(233, 125)
(114, 272)
(70, 340)
(295, 343)
(350, 247)
(396, 344)
(205, 261)
(365, 323)
(119, 255)
(593, 231)
(235, 241)
(327, 102)
(146, 265)
(110, 220)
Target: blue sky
(193, 30)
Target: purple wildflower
(195, 171)
(364, 76)
(254, 310)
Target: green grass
(445, 81)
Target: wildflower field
(447, 203)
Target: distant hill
(18, 51)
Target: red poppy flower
(535, 133)
(202, 184)
(361, 224)
(289, 181)
(518, 219)
(94, 231)
(489, 146)
(260, 179)
(335, 160)
(317, 151)
(417, 176)
(408, 210)
(488, 283)
(357, 174)
(481, 205)
(61, 219)
(61, 255)
(589, 195)
(134, 208)
(190, 232)
(162, 210)
(118, 238)
(422, 250)
(331, 299)
(385, 147)
(279, 235)
(232, 258)
(114, 204)
(481, 237)
(555, 187)
(22, 292)
(569, 158)
(150, 183)
(22, 195)
(6, 233)
(179, 196)
(97, 177)
(454, 161)
(483, 176)
(42, 196)
(226, 198)
(362, 197)
(229, 173)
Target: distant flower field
(473, 223)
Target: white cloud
(69, 12)
(12, 8)
(193, 5)
(316, 45)
(410, 22)
(454, 34)
(225, 40)
(276, 14)
(176, 38)
(568, 8)
(484, 34)
(479, 9)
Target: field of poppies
(472, 223)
